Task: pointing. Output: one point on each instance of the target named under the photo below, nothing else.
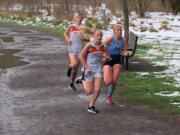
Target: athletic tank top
(76, 39)
(115, 47)
(94, 58)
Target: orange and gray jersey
(76, 39)
(94, 58)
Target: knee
(89, 92)
(74, 65)
(108, 82)
(113, 84)
(96, 90)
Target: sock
(110, 91)
(73, 77)
(69, 68)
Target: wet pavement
(35, 99)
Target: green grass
(41, 25)
(161, 68)
(152, 29)
(145, 47)
(142, 50)
(140, 91)
(55, 30)
(158, 58)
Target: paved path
(35, 100)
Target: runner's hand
(103, 60)
(125, 53)
(88, 70)
(69, 42)
(106, 59)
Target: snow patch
(164, 93)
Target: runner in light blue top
(115, 47)
(112, 68)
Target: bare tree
(174, 5)
(140, 6)
(126, 18)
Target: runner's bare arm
(83, 55)
(107, 54)
(67, 38)
(107, 41)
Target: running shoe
(109, 100)
(92, 109)
(78, 80)
(72, 87)
(68, 73)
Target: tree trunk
(126, 19)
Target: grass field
(156, 90)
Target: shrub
(88, 24)
(56, 23)
(152, 29)
(132, 24)
(143, 29)
(99, 26)
(150, 24)
(119, 22)
(93, 20)
(164, 27)
(165, 22)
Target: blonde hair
(76, 15)
(115, 26)
(87, 31)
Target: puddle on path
(21, 31)
(7, 39)
(8, 60)
(2, 33)
(38, 38)
(36, 44)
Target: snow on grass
(176, 103)
(167, 94)
(48, 22)
(142, 74)
(165, 43)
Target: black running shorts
(116, 59)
